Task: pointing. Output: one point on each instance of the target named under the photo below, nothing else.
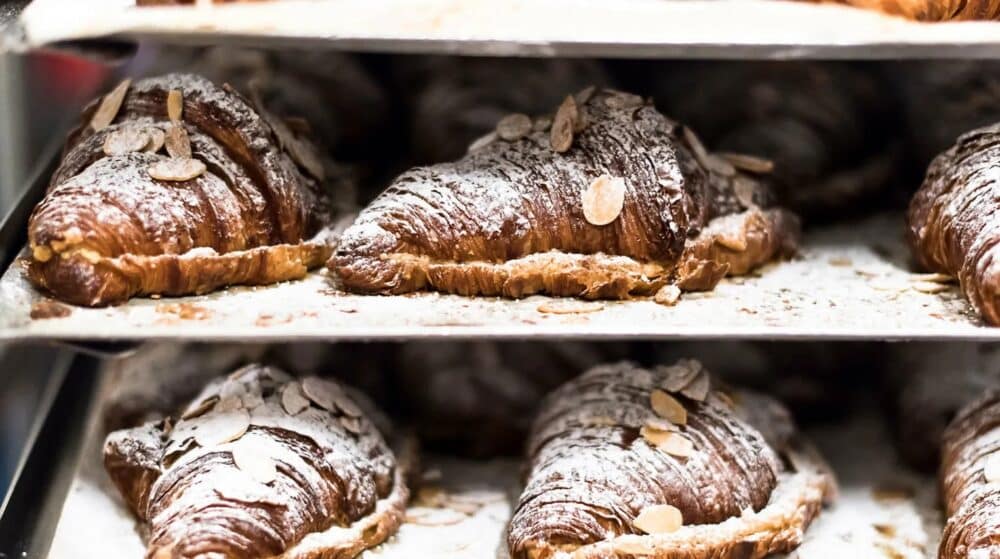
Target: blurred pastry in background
(827, 127)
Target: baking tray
(851, 281)
(636, 28)
(883, 510)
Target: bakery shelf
(851, 281)
(883, 509)
(637, 28)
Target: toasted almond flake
(561, 136)
(719, 165)
(542, 124)
(299, 125)
(176, 169)
(659, 519)
(200, 408)
(744, 190)
(514, 127)
(351, 424)
(676, 444)
(933, 278)
(221, 427)
(622, 100)
(680, 374)
(156, 139)
(345, 404)
(125, 140)
(599, 421)
(581, 97)
(929, 287)
(657, 423)
(230, 403)
(725, 399)
(109, 107)
(483, 141)
(698, 389)
(991, 468)
(175, 105)
(252, 400)
(668, 295)
(178, 142)
(582, 120)
(570, 307)
(654, 436)
(292, 398)
(667, 407)
(603, 200)
(321, 392)
(748, 163)
(252, 461)
(697, 148)
(41, 253)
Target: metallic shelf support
(31, 509)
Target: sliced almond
(659, 519)
(599, 421)
(252, 400)
(748, 163)
(603, 200)
(176, 169)
(676, 444)
(156, 139)
(303, 152)
(321, 392)
(293, 399)
(581, 121)
(175, 105)
(933, 277)
(622, 100)
(345, 404)
(929, 287)
(109, 107)
(680, 374)
(698, 389)
(569, 307)
(561, 135)
(483, 141)
(252, 461)
(657, 423)
(581, 97)
(221, 427)
(230, 403)
(744, 189)
(991, 468)
(299, 125)
(125, 140)
(697, 148)
(178, 142)
(200, 408)
(351, 424)
(667, 407)
(719, 165)
(668, 295)
(514, 127)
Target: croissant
(951, 219)
(609, 199)
(260, 465)
(932, 10)
(237, 201)
(970, 481)
(825, 126)
(632, 462)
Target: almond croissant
(952, 223)
(606, 200)
(970, 481)
(237, 199)
(658, 463)
(261, 466)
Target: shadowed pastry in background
(943, 99)
(495, 387)
(455, 100)
(970, 481)
(827, 127)
(238, 197)
(260, 465)
(606, 199)
(663, 463)
(928, 384)
(951, 222)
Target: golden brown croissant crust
(952, 226)
(606, 450)
(107, 230)
(932, 10)
(509, 218)
(260, 465)
(970, 481)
